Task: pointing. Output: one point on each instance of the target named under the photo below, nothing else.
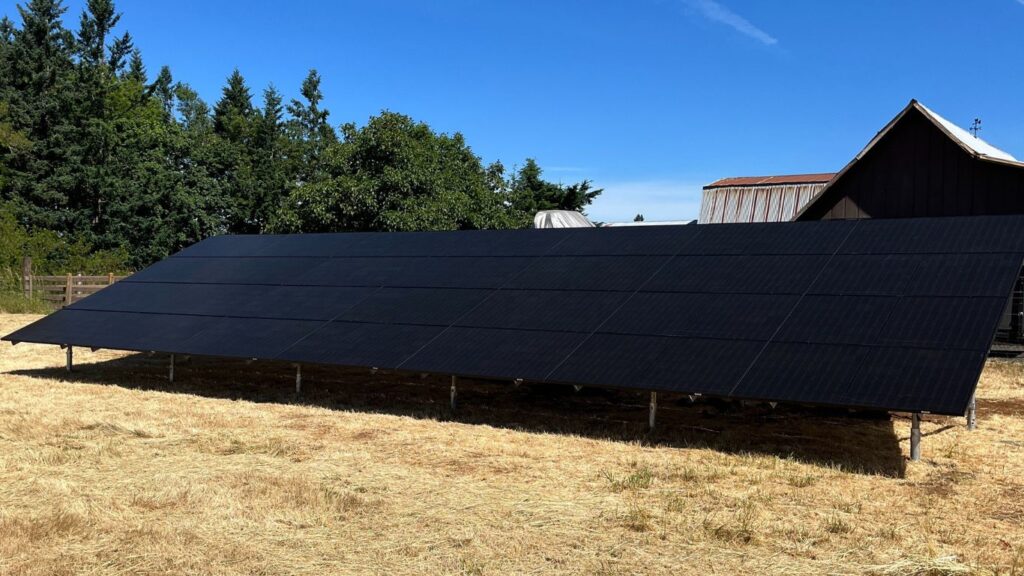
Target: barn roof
(772, 180)
(971, 144)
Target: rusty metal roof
(772, 180)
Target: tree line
(98, 153)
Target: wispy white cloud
(655, 199)
(718, 13)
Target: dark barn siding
(917, 170)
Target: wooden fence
(62, 290)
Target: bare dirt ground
(112, 470)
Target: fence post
(67, 291)
(110, 278)
(26, 276)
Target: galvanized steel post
(170, 370)
(454, 393)
(653, 410)
(71, 357)
(972, 416)
(298, 379)
(915, 437)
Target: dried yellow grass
(112, 470)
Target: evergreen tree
(96, 156)
(37, 89)
(233, 114)
(136, 68)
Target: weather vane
(976, 127)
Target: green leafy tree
(398, 174)
(529, 193)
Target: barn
(917, 165)
(759, 198)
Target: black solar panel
(888, 314)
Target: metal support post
(298, 379)
(454, 392)
(972, 416)
(170, 370)
(653, 410)
(915, 437)
(71, 357)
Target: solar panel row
(894, 314)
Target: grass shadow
(861, 442)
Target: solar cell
(246, 337)
(544, 310)
(944, 323)
(238, 300)
(866, 274)
(359, 344)
(623, 273)
(971, 235)
(894, 314)
(231, 246)
(764, 238)
(688, 365)
(494, 353)
(409, 272)
(830, 319)
(708, 315)
(626, 241)
(264, 271)
(433, 306)
(802, 372)
(738, 274)
(117, 330)
(964, 275)
(915, 379)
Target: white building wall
(771, 203)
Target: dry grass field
(112, 470)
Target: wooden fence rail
(62, 290)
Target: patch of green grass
(639, 479)
(16, 303)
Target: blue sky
(648, 98)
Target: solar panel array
(887, 314)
